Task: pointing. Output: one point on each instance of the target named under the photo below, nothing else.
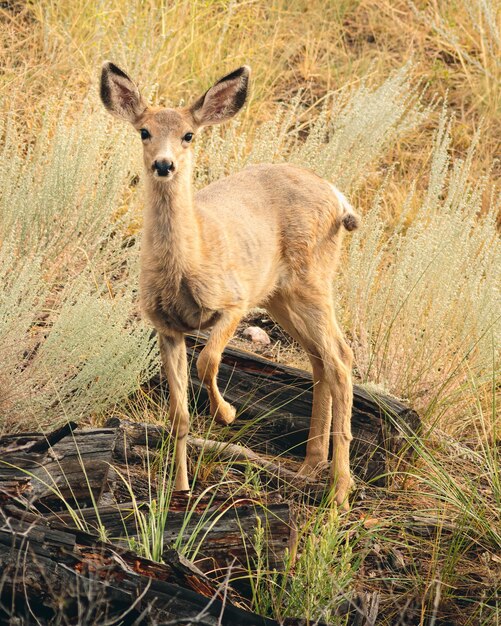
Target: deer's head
(167, 134)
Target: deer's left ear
(119, 94)
(222, 101)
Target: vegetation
(397, 102)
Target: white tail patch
(349, 218)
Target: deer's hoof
(313, 470)
(340, 489)
(225, 414)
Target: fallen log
(220, 532)
(69, 464)
(69, 575)
(153, 436)
(138, 438)
(40, 472)
(274, 403)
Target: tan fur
(269, 236)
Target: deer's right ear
(119, 94)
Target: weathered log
(227, 524)
(274, 407)
(68, 574)
(221, 532)
(132, 434)
(235, 452)
(68, 464)
(221, 529)
(138, 437)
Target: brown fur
(269, 235)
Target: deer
(267, 236)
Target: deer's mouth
(166, 176)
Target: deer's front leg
(208, 365)
(173, 352)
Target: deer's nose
(163, 167)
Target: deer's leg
(208, 365)
(314, 308)
(337, 360)
(173, 353)
(342, 402)
(317, 447)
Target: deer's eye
(144, 134)
(188, 137)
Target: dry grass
(175, 49)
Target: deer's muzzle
(163, 167)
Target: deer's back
(277, 220)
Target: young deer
(267, 236)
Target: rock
(257, 335)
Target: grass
(398, 103)
(319, 581)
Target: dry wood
(132, 434)
(234, 452)
(222, 531)
(67, 573)
(135, 437)
(68, 463)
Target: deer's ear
(222, 101)
(119, 94)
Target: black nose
(163, 167)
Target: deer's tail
(348, 217)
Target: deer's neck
(172, 238)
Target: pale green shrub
(423, 305)
(351, 131)
(356, 132)
(20, 296)
(92, 357)
(483, 36)
(62, 195)
(70, 342)
(85, 356)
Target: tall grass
(424, 301)
(316, 583)
(71, 344)
(175, 49)
(471, 32)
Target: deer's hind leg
(310, 307)
(317, 447)
(208, 364)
